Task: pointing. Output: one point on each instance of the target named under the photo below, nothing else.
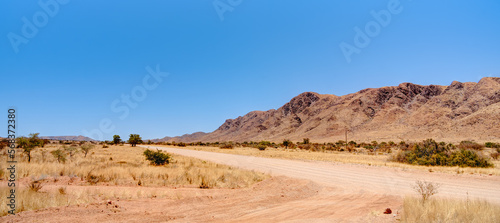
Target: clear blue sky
(87, 54)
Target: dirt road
(299, 191)
(359, 179)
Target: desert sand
(299, 191)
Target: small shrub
(261, 147)
(305, 141)
(226, 146)
(470, 145)
(492, 145)
(35, 185)
(425, 189)
(62, 190)
(105, 146)
(204, 184)
(495, 155)
(286, 143)
(181, 144)
(94, 179)
(157, 158)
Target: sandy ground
(278, 199)
(356, 178)
(298, 192)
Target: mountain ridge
(408, 111)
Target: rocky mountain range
(460, 111)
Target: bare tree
(425, 189)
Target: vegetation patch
(157, 158)
(431, 153)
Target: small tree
(157, 158)
(116, 139)
(425, 189)
(59, 155)
(134, 139)
(86, 148)
(71, 150)
(287, 143)
(29, 144)
(305, 141)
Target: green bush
(157, 158)
(430, 153)
(469, 158)
(261, 147)
(492, 145)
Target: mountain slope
(406, 112)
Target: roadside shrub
(261, 147)
(157, 158)
(430, 153)
(469, 158)
(226, 146)
(495, 155)
(470, 145)
(305, 141)
(492, 145)
(181, 144)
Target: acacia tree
(134, 139)
(59, 155)
(86, 148)
(29, 144)
(116, 139)
(71, 150)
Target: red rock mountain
(461, 111)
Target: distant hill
(68, 138)
(409, 111)
(184, 138)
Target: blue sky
(85, 55)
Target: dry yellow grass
(113, 166)
(380, 159)
(125, 165)
(448, 210)
(29, 200)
